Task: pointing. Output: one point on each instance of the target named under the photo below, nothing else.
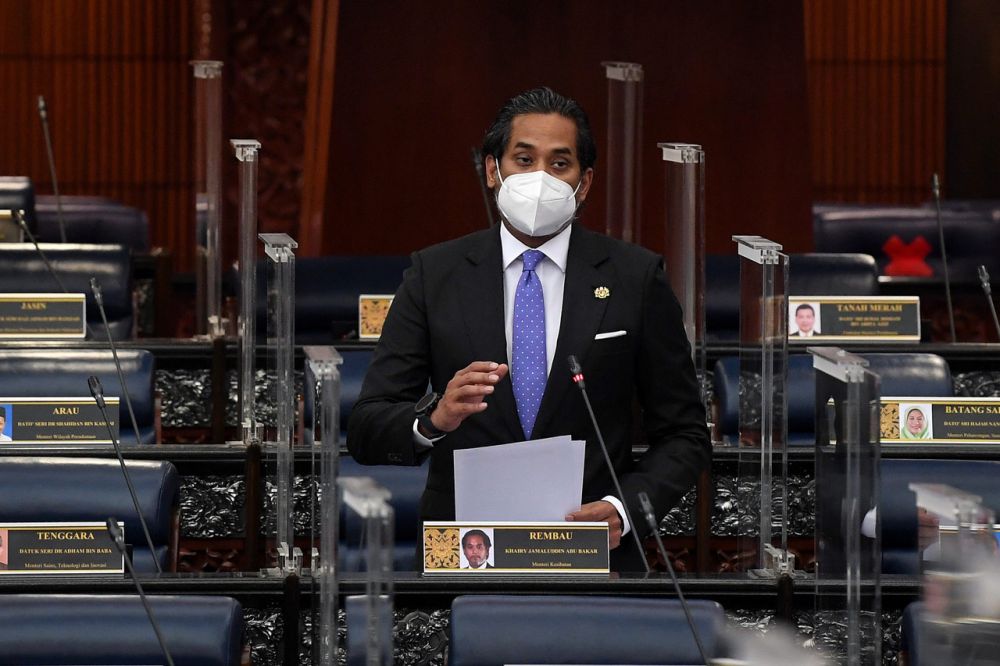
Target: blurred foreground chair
(32, 373)
(488, 630)
(57, 630)
(61, 490)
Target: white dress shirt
(551, 272)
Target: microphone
(43, 113)
(97, 391)
(936, 190)
(647, 510)
(577, 372)
(984, 279)
(119, 539)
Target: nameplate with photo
(813, 319)
(372, 311)
(58, 549)
(940, 420)
(56, 421)
(43, 316)
(515, 548)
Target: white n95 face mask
(536, 203)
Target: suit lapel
(587, 268)
(481, 289)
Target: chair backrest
(503, 629)
(811, 274)
(900, 374)
(96, 220)
(18, 193)
(34, 373)
(56, 629)
(898, 504)
(53, 489)
(23, 270)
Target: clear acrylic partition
(684, 168)
(246, 151)
(623, 173)
(848, 563)
(763, 457)
(369, 616)
(321, 434)
(279, 250)
(208, 198)
(961, 619)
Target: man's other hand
(601, 512)
(466, 392)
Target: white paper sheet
(537, 480)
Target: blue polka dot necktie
(528, 359)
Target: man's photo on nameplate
(58, 549)
(813, 319)
(940, 420)
(515, 547)
(27, 316)
(55, 421)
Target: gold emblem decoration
(441, 548)
(372, 311)
(889, 426)
(602, 292)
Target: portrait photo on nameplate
(25, 316)
(911, 420)
(515, 548)
(813, 319)
(59, 549)
(55, 421)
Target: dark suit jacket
(449, 312)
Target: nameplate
(518, 547)
(813, 319)
(940, 420)
(59, 549)
(55, 421)
(43, 316)
(372, 311)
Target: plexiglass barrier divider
(960, 622)
(763, 429)
(848, 538)
(624, 170)
(369, 616)
(246, 151)
(684, 168)
(321, 405)
(279, 250)
(208, 197)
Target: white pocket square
(610, 334)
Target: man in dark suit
(490, 319)
(476, 546)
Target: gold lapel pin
(602, 292)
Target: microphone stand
(936, 189)
(97, 391)
(577, 372)
(44, 115)
(119, 540)
(984, 279)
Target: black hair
(805, 306)
(480, 533)
(3, 412)
(541, 100)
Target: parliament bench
(92, 220)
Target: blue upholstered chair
(22, 270)
(95, 220)
(899, 504)
(58, 629)
(64, 373)
(487, 630)
(811, 274)
(901, 375)
(40, 490)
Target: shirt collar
(556, 248)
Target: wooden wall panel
(116, 78)
(876, 81)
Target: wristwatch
(424, 408)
